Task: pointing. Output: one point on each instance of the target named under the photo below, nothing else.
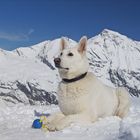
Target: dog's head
(72, 62)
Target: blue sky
(27, 22)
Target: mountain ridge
(28, 75)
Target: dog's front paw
(55, 126)
(51, 127)
(59, 127)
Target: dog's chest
(71, 98)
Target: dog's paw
(59, 127)
(51, 127)
(55, 126)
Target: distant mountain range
(28, 75)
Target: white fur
(87, 99)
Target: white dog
(82, 97)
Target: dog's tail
(124, 102)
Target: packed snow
(16, 122)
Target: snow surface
(16, 121)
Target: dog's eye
(61, 54)
(70, 54)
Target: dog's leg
(67, 120)
(124, 103)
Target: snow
(108, 51)
(16, 121)
(28, 72)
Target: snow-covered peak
(107, 32)
(116, 58)
(31, 51)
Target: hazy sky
(27, 22)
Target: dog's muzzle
(57, 62)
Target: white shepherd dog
(82, 97)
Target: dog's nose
(57, 61)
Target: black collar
(75, 79)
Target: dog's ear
(82, 44)
(64, 43)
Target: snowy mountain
(28, 75)
(116, 59)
